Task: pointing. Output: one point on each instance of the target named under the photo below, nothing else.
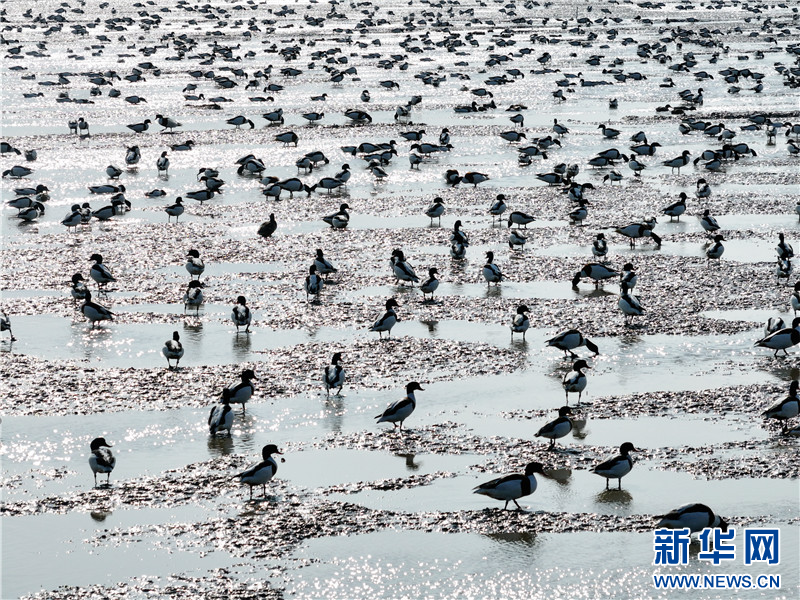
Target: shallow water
(677, 396)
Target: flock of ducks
(30, 202)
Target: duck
(17, 172)
(132, 156)
(113, 172)
(174, 210)
(32, 212)
(458, 234)
(703, 189)
(267, 228)
(99, 272)
(491, 272)
(557, 429)
(617, 467)
(333, 376)
(101, 460)
(73, 218)
(403, 271)
(431, 284)
(313, 283)
(787, 408)
(571, 339)
(435, 210)
(397, 412)
(241, 315)
(324, 266)
(794, 300)
(785, 250)
(628, 276)
(106, 189)
(575, 380)
(695, 517)
(194, 264)
(783, 269)
(629, 304)
(512, 487)
(521, 323)
(498, 207)
(221, 416)
(714, 252)
(263, 472)
(519, 218)
(162, 163)
(5, 325)
(594, 271)
(516, 239)
(340, 219)
(578, 215)
(243, 391)
(474, 178)
(173, 350)
(709, 223)
(95, 312)
(600, 246)
(636, 231)
(167, 123)
(677, 163)
(677, 208)
(387, 320)
(782, 339)
(193, 296)
(240, 120)
(78, 289)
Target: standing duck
(512, 487)
(101, 460)
(243, 391)
(333, 376)
(617, 467)
(431, 284)
(388, 320)
(399, 411)
(193, 296)
(263, 471)
(95, 312)
(571, 339)
(313, 283)
(575, 381)
(557, 429)
(521, 322)
(173, 350)
(99, 272)
(194, 264)
(241, 315)
(491, 272)
(221, 416)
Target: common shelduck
(243, 391)
(241, 315)
(695, 517)
(193, 297)
(617, 467)
(491, 272)
(173, 350)
(575, 380)
(399, 411)
(594, 271)
(221, 416)
(512, 487)
(263, 471)
(787, 408)
(387, 320)
(99, 272)
(521, 323)
(334, 375)
(571, 339)
(95, 312)
(782, 339)
(431, 284)
(101, 459)
(194, 264)
(557, 429)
